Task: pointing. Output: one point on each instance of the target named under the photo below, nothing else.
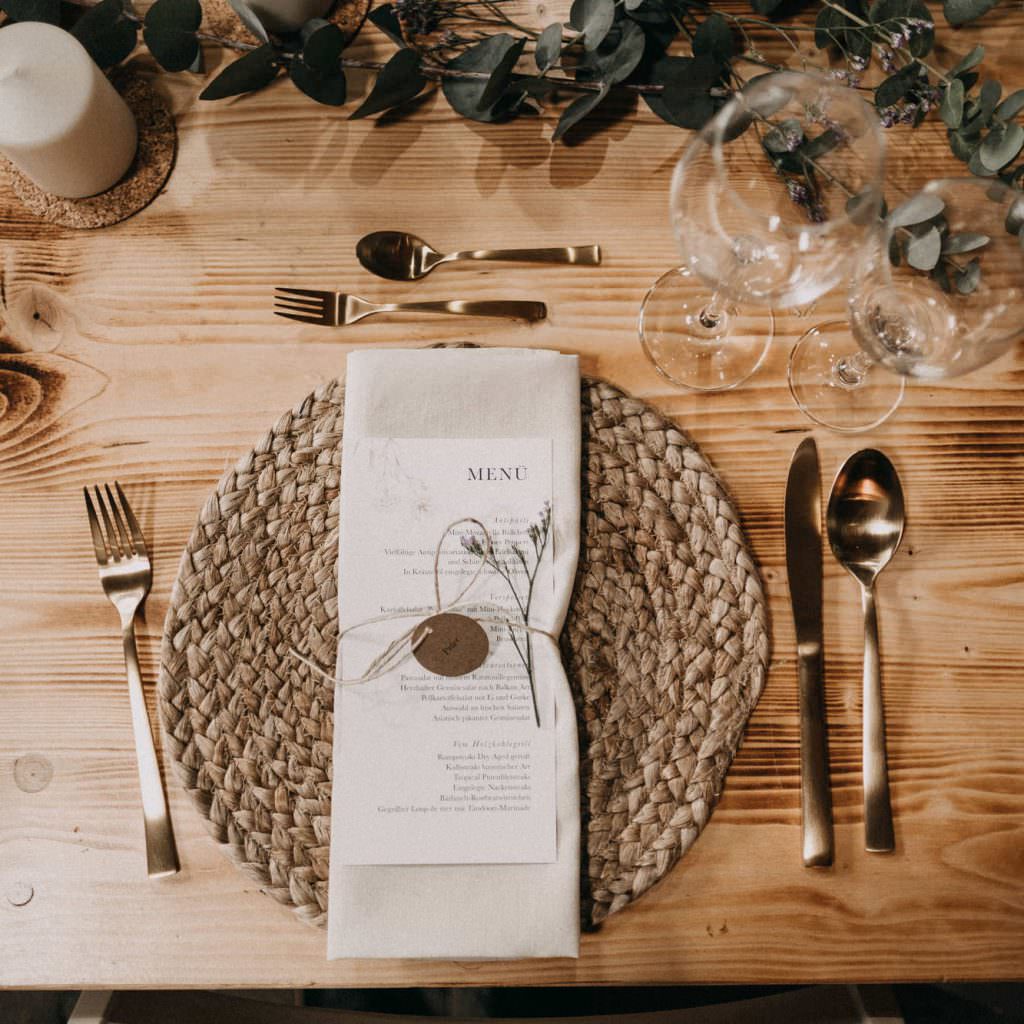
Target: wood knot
(37, 318)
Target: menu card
(446, 769)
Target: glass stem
(714, 311)
(850, 371)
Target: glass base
(837, 385)
(693, 350)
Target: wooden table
(147, 352)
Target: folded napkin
(465, 911)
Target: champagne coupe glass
(929, 298)
(769, 203)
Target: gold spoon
(865, 525)
(400, 256)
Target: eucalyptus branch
(869, 31)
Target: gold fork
(336, 309)
(126, 575)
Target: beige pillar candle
(62, 123)
(288, 15)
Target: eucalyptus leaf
(322, 49)
(896, 86)
(829, 26)
(686, 100)
(327, 87)
(386, 20)
(988, 99)
(916, 210)
(1011, 106)
(951, 109)
(107, 35)
(464, 93)
(169, 30)
(32, 10)
(817, 147)
(250, 19)
(967, 280)
(964, 241)
(940, 275)
(577, 110)
(501, 76)
(1001, 145)
(398, 82)
(594, 19)
(621, 62)
(923, 251)
(959, 12)
(247, 74)
(309, 27)
(549, 47)
(896, 248)
(972, 60)
(714, 39)
(632, 5)
(970, 79)
(765, 7)
(1015, 217)
(977, 166)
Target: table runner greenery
(492, 69)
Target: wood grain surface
(147, 352)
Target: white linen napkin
(485, 910)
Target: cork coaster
(666, 648)
(142, 182)
(220, 19)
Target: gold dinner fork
(336, 309)
(126, 575)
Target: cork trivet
(220, 20)
(666, 646)
(142, 182)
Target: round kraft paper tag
(454, 645)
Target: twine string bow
(402, 647)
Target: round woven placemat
(666, 645)
(142, 182)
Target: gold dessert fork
(336, 309)
(126, 575)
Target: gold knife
(803, 567)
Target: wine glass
(936, 291)
(769, 203)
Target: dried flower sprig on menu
(504, 564)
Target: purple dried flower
(858, 63)
(887, 59)
(421, 17)
(799, 193)
(845, 77)
(908, 114)
(471, 544)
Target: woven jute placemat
(666, 646)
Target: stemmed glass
(936, 291)
(769, 203)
